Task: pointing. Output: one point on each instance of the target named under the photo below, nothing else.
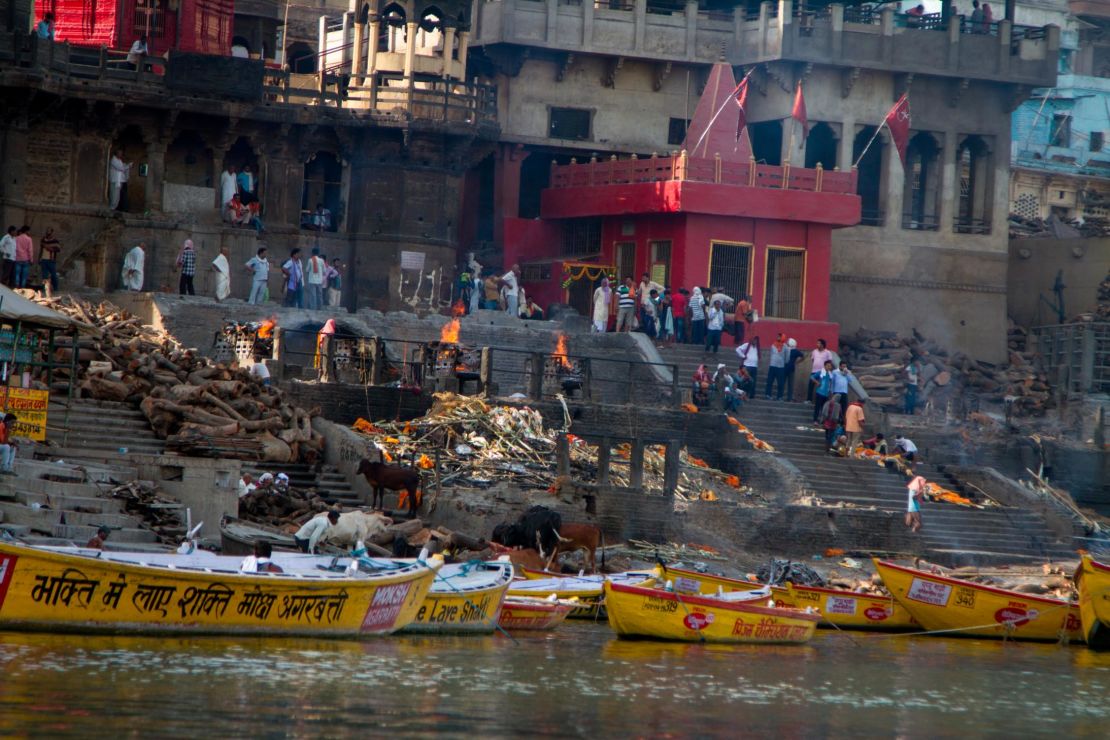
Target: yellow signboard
(29, 406)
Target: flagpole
(869, 143)
(719, 112)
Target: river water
(578, 681)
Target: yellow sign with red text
(29, 406)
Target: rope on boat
(496, 623)
(1009, 626)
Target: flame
(267, 328)
(459, 309)
(449, 334)
(561, 352)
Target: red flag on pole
(799, 112)
(741, 96)
(898, 122)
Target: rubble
(160, 513)
(479, 445)
(199, 407)
(948, 381)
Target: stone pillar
(356, 51)
(895, 183)
(464, 37)
(636, 464)
(949, 184)
(155, 175)
(691, 28)
(448, 52)
(562, 456)
(372, 46)
(410, 62)
(639, 18)
(844, 158)
(604, 453)
(15, 172)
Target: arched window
(973, 166)
(189, 161)
(301, 58)
(323, 187)
(821, 146)
(432, 19)
(921, 193)
(869, 175)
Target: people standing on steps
(222, 268)
(823, 389)
(187, 263)
(626, 306)
(259, 266)
(477, 287)
(680, 301)
(314, 280)
(49, 246)
(229, 187)
(24, 253)
(511, 282)
(776, 368)
(293, 272)
(643, 292)
(8, 445)
(333, 279)
(914, 499)
(912, 375)
(697, 317)
(853, 424)
(603, 301)
(818, 357)
(714, 325)
(7, 254)
(830, 418)
(749, 358)
(793, 355)
(132, 274)
(842, 379)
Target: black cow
(538, 527)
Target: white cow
(354, 527)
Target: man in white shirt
(906, 447)
(7, 254)
(476, 276)
(260, 371)
(308, 536)
(137, 52)
(132, 274)
(647, 308)
(119, 173)
(314, 280)
(260, 276)
(510, 281)
(223, 274)
(228, 186)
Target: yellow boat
(466, 597)
(1093, 579)
(586, 589)
(847, 610)
(88, 590)
(962, 608)
(736, 617)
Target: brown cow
(525, 558)
(580, 537)
(394, 477)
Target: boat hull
(1094, 602)
(586, 590)
(841, 609)
(635, 611)
(965, 609)
(533, 614)
(453, 609)
(52, 591)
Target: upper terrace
(856, 36)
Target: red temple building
(708, 216)
(202, 26)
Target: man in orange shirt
(7, 445)
(853, 424)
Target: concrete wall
(1033, 266)
(207, 487)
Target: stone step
(91, 472)
(80, 534)
(70, 503)
(23, 514)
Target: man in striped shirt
(626, 305)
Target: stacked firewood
(200, 407)
(947, 380)
(1017, 336)
(158, 512)
(267, 506)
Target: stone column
(604, 452)
(410, 62)
(844, 155)
(448, 52)
(508, 160)
(949, 184)
(894, 185)
(155, 175)
(464, 38)
(636, 464)
(639, 18)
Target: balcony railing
(971, 226)
(615, 171)
(871, 217)
(920, 223)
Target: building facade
(930, 250)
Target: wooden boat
(586, 590)
(1093, 579)
(962, 608)
(733, 617)
(526, 613)
(464, 597)
(57, 589)
(238, 537)
(846, 610)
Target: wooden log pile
(278, 509)
(200, 407)
(158, 512)
(879, 359)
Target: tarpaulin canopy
(14, 307)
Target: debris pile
(879, 359)
(1048, 579)
(159, 513)
(479, 445)
(279, 508)
(199, 407)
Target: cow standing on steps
(381, 476)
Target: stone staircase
(100, 430)
(331, 484)
(949, 530)
(61, 503)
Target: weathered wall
(206, 487)
(1033, 266)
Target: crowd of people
(17, 256)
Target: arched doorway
(132, 150)
(242, 157)
(869, 175)
(766, 140)
(973, 165)
(391, 37)
(301, 58)
(189, 161)
(920, 199)
(323, 186)
(821, 146)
